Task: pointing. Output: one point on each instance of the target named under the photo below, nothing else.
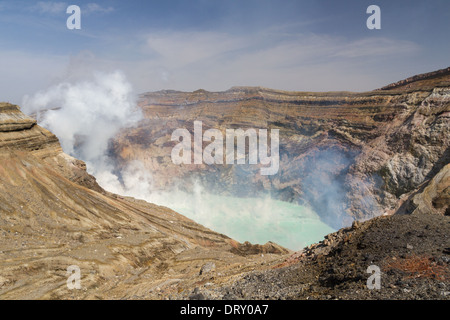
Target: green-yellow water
(254, 219)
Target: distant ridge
(419, 77)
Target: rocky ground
(412, 252)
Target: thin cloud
(183, 48)
(179, 49)
(53, 8)
(376, 47)
(189, 60)
(91, 8)
(49, 7)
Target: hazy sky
(305, 45)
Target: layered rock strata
(54, 215)
(348, 155)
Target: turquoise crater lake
(257, 220)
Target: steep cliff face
(348, 155)
(54, 215)
(20, 132)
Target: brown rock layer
(348, 155)
(422, 80)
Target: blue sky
(309, 45)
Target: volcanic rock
(387, 151)
(54, 215)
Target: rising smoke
(323, 184)
(85, 115)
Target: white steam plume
(85, 115)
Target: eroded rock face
(11, 119)
(20, 132)
(348, 155)
(433, 197)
